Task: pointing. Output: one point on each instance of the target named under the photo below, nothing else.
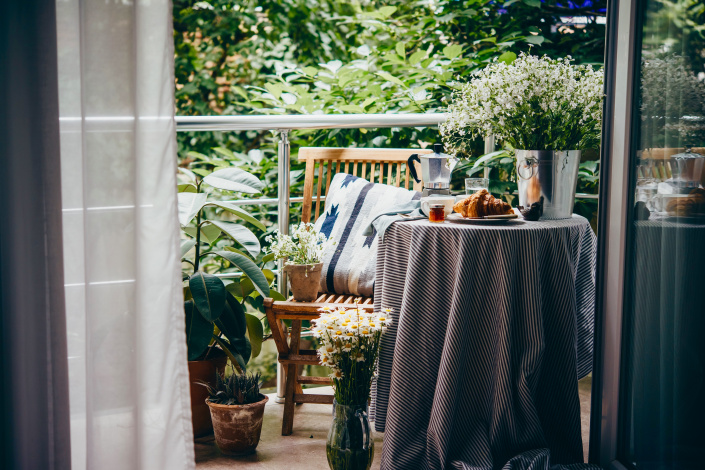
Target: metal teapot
(436, 168)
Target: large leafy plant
(215, 312)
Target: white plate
(493, 220)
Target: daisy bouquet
(349, 346)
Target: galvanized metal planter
(552, 175)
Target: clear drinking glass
(473, 185)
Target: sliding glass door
(651, 401)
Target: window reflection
(663, 409)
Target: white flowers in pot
(535, 103)
(546, 110)
(303, 251)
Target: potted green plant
(546, 112)
(237, 410)
(218, 327)
(303, 252)
(349, 346)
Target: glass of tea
(436, 213)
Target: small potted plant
(349, 346)
(303, 251)
(237, 411)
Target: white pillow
(349, 266)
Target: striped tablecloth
(492, 328)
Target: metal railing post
(283, 196)
(489, 148)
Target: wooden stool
(292, 356)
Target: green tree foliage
(325, 56)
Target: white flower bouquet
(349, 346)
(303, 246)
(535, 103)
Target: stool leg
(288, 420)
(291, 382)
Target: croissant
(481, 204)
(693, 205)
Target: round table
(493, 327)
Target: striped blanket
(351, 205)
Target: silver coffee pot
(687, 169)
(436, 169)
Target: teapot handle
(411, 168)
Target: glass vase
(350, 444)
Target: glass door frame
(614, 219)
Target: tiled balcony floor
(305, 449)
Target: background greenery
(326, 56)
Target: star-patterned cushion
(351, 204)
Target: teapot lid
(687, 154)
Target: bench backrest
(386, 166)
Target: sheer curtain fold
(130, 405)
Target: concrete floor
(305, 449)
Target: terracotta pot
(304, 280)
(203, 371)
(237, 428)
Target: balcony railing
(283, 125)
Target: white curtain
(129, 396)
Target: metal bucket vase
(552, 175)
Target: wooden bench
(386, 166)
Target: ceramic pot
(304, 280)
(350, 444)
(203, 371)
(237, 428)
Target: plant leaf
(238, 211)
(187, 188)
(391, 78)
(186, 246)
(234, 179)
(276, 295)
(508, 57)
(235, 250)
(255, 331)
(452, 51)
(198, 331)
(236, 359)
(247, 286)
(249, 268)
(240, 234)
(489, 157)
(210, 232)
(232, 321)
(208, 293)
(538, 40)
(189, 205)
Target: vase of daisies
(349, 346)
(303, 253)
(545, 111)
